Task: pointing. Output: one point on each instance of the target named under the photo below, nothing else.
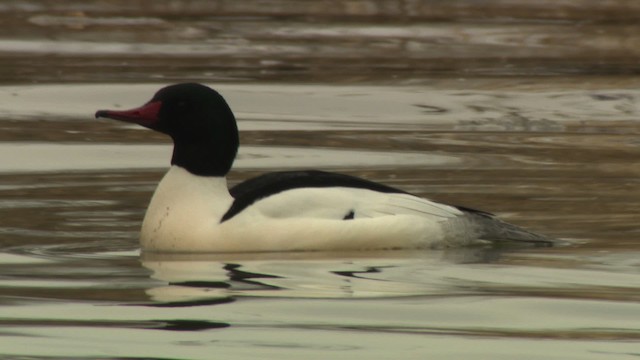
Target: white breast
(184, 212)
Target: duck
(193, 210)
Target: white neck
(183, 206)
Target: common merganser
(193, 210)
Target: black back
(262, 186)
(252, 190)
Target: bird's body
(188, 212)
(192, 210)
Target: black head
(199, 121)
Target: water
(527, 110)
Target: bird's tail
(489, 228)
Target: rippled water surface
(526, 109)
